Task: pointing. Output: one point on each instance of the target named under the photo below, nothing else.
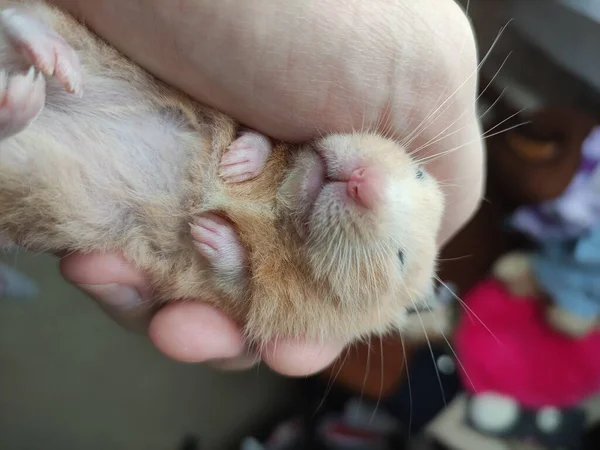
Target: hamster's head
(366, 218)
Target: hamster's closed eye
(401, 256)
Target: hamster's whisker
(408, 384)
(363, 127)
(449, 185)
(468, 309)
(331, 382)
(368, 369)
(437, 138)
(351, 121)
(369, 264)
(384, 124)
(487, 133)
(433, 142)
(458, 258)
(485, 137)
(500, 96)
(440, 328)
(437, 372)
(416, 132)
(445, 105)
(380, 395)
(318, 131)
(445, 182)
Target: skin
(293, 70)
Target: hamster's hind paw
(21, 100)
(245, 158)
(43, 48)
(217, 241)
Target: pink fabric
(524, 359)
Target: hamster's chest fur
(122, 168)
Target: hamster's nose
(366, 186)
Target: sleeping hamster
(335, 238)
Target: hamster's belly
(99, 167)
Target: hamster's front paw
(217, 241)
(43, 48)
(245, 158)
(21, 100)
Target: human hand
(292, 70)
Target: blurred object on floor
(331, 414)
(359, 426)
(532, 350)
(190, 442)
(543, 428)
(431, 383)
(592, 437)
(450, 431)
(15, 285)
(520, 372)
(565, 226)
(360, 367)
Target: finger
(243, 362)
(198, 333)
(462, 177)
(445, 130)
(195, 332)
(296, 358)
(120, 290)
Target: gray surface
(71, 379)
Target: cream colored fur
(129, 165)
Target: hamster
(330, 239)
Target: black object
(422, 395)
(190, 442)
(591, 439)
(565, 433)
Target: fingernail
(115, 295)
(243, 362)
(123, 304)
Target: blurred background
(518, 365)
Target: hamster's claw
(22, 98)
(245, 158)
(45, 49)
